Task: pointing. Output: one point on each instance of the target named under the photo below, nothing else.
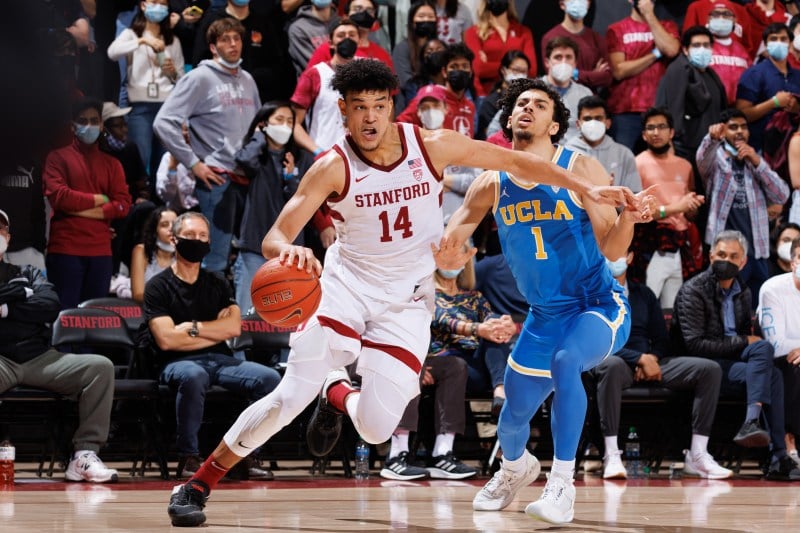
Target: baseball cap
(4, 218)
(722, 4)
(112, 110)
(437, 92)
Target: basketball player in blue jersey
(554, 240)
(383, 181)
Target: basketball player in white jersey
(382, 182)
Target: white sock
(351, 404)
(611, 445)
(699, 444)
(399, 443)
(563, 469)
(517, 465)
(443, 444)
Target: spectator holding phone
(155, 62)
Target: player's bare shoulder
(590, 169)
(328, 172)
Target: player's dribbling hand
(451, 255)
(305, 258)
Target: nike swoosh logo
(362, 178)
(243, 446)
(418, 298)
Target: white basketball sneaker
(556, 504)
(88, 467)
(703, 465)
(504, 485)
(613, 467)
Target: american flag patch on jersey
(415, 163)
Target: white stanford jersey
(386, 219)
(324, 121)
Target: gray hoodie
(218, 107)
(617, 159)
(306, 33)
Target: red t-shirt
(637, 93)
(498, 138)
(729, 61)
(459, 116)
(697, 15)
(323, 54)
(488, 72)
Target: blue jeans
(220, 205)
(78, 278)
(626, 128)
(140, 132)
(193, 376)
(486, 365)
(756, 376)
(243, 271)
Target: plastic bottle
(632, 454)
(362, 460)
(7, 455)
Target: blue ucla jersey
(548, 241)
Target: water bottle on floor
(7, 456)
(632, 454)
(362, 460)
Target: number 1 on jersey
(537, 239)
(401, 223)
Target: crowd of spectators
(218, 107)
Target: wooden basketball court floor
(297, 501)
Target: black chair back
(130, 310)
(263, 342)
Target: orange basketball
(283, 295)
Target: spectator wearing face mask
(592, 66)
(514, 65)
(421, 27)
(429, 71)
(318, 120)
(593, 121)
(87, 190)
(561, 56)
(362, 13)
(692, 92)
(780, 260)
(762, 13)
(275, 166)
(309, 30)
(698, 12)
(729, 58)
(460, 113)
(497, 31)
(769, 85)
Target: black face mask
(363, 19)
(497, 7)
(459, 79)
(193, 250)
(346, 49)
(432, 63)
(425, 29)
(659, 150)
(724, 270)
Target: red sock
(338, 393)
(209, 474)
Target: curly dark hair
(509, 99)
(363, 75)
(150, 231)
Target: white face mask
(561, 72)
(432, 119)
(165, 246)
(279, 133)
(593, 130)
(3, 244)
(796, 42)
(228, 64)
(784, 250)
(511, 76)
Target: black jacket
(697, 324)
(648, 328)
(25, 332)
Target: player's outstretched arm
(613, 231)
(325, 177)
(447, 147)
(479, 199)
